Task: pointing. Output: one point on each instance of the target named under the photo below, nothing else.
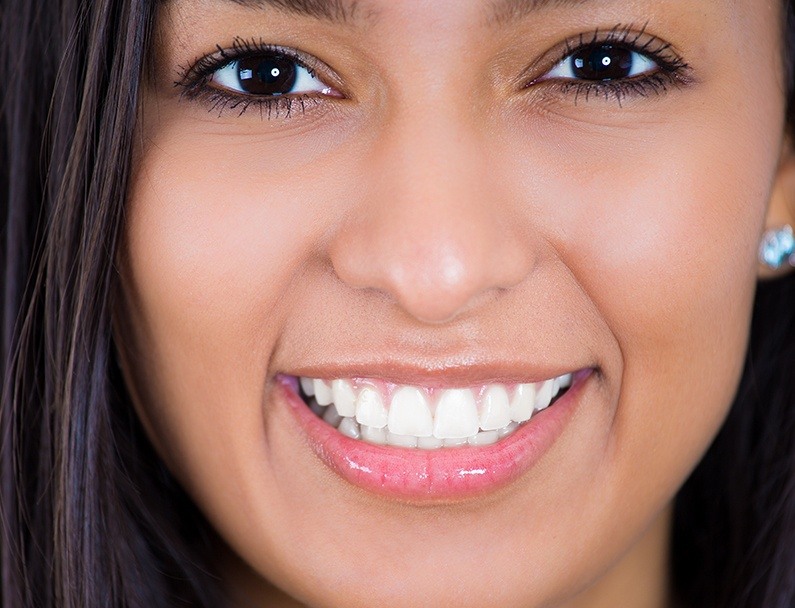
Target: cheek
(665, 247)
(673, 274)
(214, 233)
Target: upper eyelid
(196, 76)
(199, 71)
(634, 38)
(653, 45)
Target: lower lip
(413, 474)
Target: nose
(432, 231)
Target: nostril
(437, 279)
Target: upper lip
(444, 375)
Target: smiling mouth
(407, 416)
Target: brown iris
(604, 62)
(271, 74)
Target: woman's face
(448, 204)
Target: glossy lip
(445, 474)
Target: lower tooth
(507, 430)
(373, 435)
(349, 428)
(484, 438)
(429, 443)
(454, 443)
(403, 441)
(331, 416)
(316, 408)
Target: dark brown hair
(90, 516)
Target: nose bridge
(432, 231)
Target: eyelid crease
(194, 80)
(196, 74)
(662, 52)
(673, 70)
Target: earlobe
(777, 245)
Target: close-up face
(512, 242)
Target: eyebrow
(499, 12)
(503, 12)
(336, 11)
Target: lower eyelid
(227, 77)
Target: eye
(267, 74)
(602, 62)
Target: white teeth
(331, 416)
(373, 435)
(409, 413)
(402, 441)
(478, 416)
(308, 386)
(484, 438)
(456, 443)
(524, 398)
(507, 430)
(344, 397)
(370, 409)
(456, 415)
(322, 392)
(349, 427)
(544, 395)
(429, 443)
(495, 411)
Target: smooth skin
(435, 212)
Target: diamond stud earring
(777, 248)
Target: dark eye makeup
(266, 76)
(617, 64)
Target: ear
(781, 211)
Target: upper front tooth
(495, 412)
(456, 415)
(524, 398)
(322, 392)
(370, 409)
(409, 413)
(544, 395)
(344, 398)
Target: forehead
(497, 12)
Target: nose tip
(434, 229)
(434, 268)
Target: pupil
(602, 63)
(267, 74)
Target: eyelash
(195, 78)
(673, 71)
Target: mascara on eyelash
(194, 79)
(201, 69)
(625, 36)
(673, 69)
